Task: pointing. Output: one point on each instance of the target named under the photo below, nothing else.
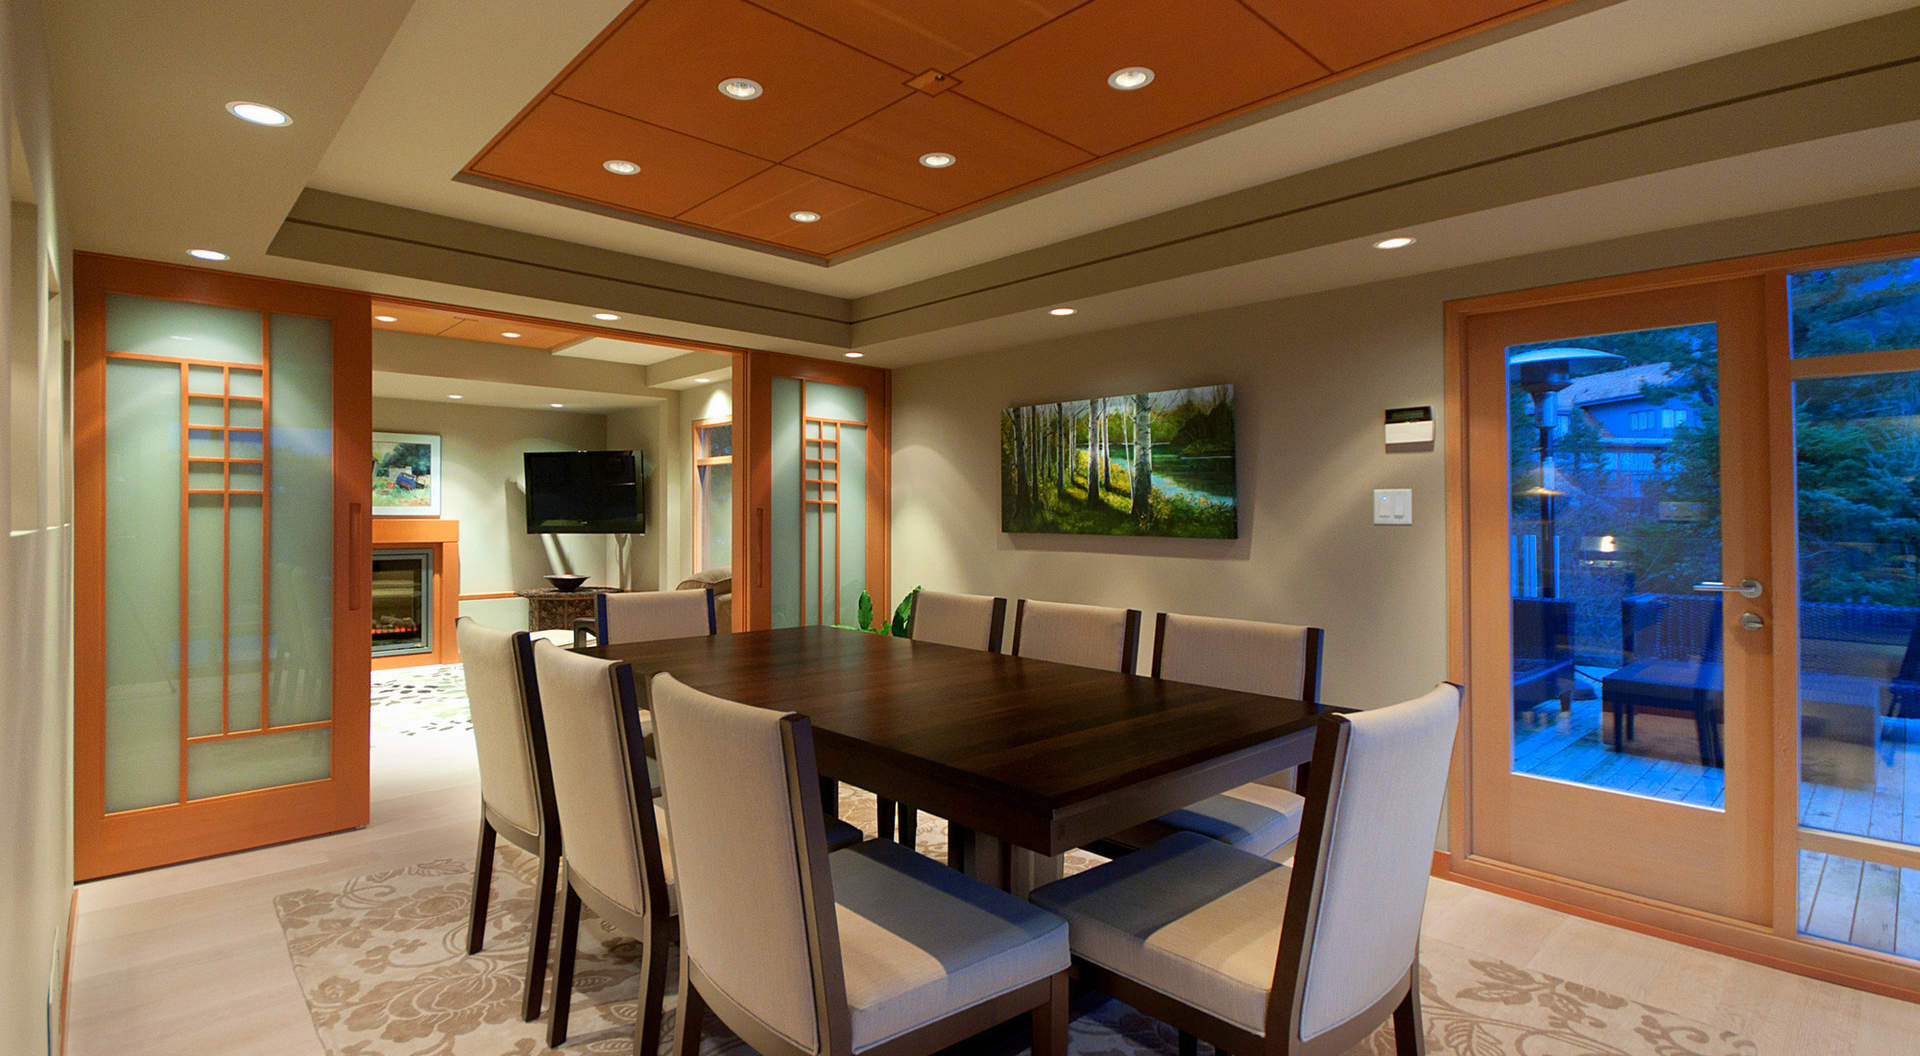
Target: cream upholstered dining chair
(806, 953)
(646, 616)
(516, 785)
(1261, 817)
(615, 859)
(1082, 635)
(1261, 959)
(966, 621)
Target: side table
(549, 610)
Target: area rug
(382, 962)
(409, 701)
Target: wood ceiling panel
(496, 331)
(665, 65)
(412, 320)
(1352, 32)
(995, 152)
(1209, 57)
(759, 209)
(559, 146)
(920, 35)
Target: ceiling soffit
(856, 91)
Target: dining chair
(1262, 959)
(1263, 816)
(646, 616)
(1082, 635)
(872, 949)
(615, 860)
(966, 621)
(516, 783)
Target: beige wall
(36, 486)
(1312, 375)
(484, 489)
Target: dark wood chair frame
(1045, 999)
(1129, 648)
(1286, 1001)
(909, 817)
(543, 845)
(657, 928)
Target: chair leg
(1189, 1045)
(883, 817)
(542, 927)
(909, 826)
(691, 1016)
(1050, 1019)
(653, 992)
(563, 966)
(1409, 1028)
(482, 882)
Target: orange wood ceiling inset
(857, 90)
(445, 322)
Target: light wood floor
(189, 961)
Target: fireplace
(402, 602)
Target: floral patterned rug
(382, 961)
(413, 700)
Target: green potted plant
(896, 627)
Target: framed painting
(406, 475)
(1148, 463)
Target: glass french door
(221, 610)
(816, 523)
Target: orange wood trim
(1459, 668)
(402, 531)
(1783, 523)
(1888, 361)
(1853, 967)
(186, 628)
(579, 329)
(234, 735)
(266, 513)
(490, 595)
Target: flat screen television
(584, 492)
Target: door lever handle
(1748, 588)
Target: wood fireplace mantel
(442, 536)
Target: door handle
(1747, 588)
(354, 557)
(760, 540)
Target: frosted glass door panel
(300, 594)
(819, 519)
(784, 520)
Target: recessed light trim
(938, 159)
(621, 167)
(206, 254)
(1396, 242)
(509, 333)
(259, 114)
(605, 317)
(1062, 310)
(804, 216)
(741, 88)
(1130, 78)
(386, 318)
(853, 355)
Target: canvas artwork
(406, 475)
(1149, 463)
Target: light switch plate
(1393, 505)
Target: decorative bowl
(566, 584)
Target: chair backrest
(651, 615)
(1352, 922)
(970, 621)
(504, 701)
(1082, 635)
(1277, 659)
(600, 787)
(757, 918)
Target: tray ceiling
(857, 91)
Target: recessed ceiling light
(606, 317)
(803, 216)
(1062, 311)
(741, 88)
(207, 254)
(853, 355)
(259, 114)
(509, 333)
(1129, 78)
(620, 167)
(701, 381)
(937, 160)
(556, 405)
(455, 396)
(386, 318)
(1396, 242)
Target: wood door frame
(105, 844)
(1776, 943)
(753, 434)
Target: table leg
(993, 861)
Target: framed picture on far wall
(406, 475)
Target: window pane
(716, 515)
(1858, 308)
(1860, 903)
(716, 440)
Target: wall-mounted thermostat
(1409, 425)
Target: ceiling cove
(812, 128)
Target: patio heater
(1543, 372)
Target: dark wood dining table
(1015, 753)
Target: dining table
(1026, 759)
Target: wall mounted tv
(584, 492)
